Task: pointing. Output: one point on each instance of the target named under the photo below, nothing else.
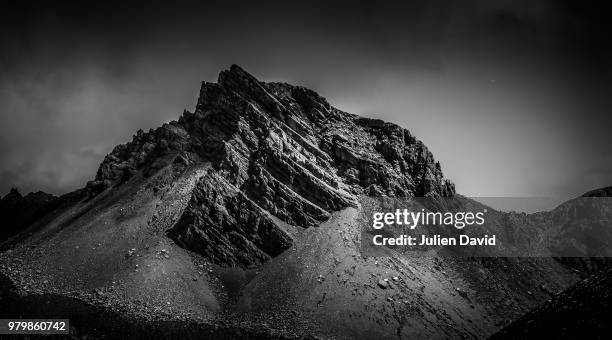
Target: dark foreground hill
(581, 311)
(240, 219)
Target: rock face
(18, 211)
(225, 226)
(276, 149)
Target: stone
(461, 292)
(383, 284)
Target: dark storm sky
(512, 97)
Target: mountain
(271, 150)
(240, 219)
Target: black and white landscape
(240, 217)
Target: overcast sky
(512, 97)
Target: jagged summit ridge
(284, 151)
(226, 111)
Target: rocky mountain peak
(279, 149)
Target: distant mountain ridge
(19, 211)
(601, 192)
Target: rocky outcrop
(228, 228)
(147, 153)
(279, 149)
